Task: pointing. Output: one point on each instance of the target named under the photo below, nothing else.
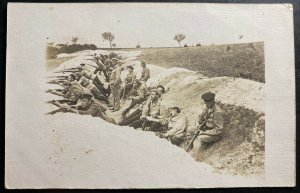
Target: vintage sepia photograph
(148, 95)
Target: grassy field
(236, 60)
(52, 63)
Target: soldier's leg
(132, 104)
(136, 124)
(99, 96)
(196, 145)
(106, 75)
(131, 118)
(209, 138)
(100, 87)
(117, 99)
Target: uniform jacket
(115, 77)
(151, 108)
(215, 120)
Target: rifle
(58, 77)
(53, 112)
(196, 135)
(56, 81)
(63, 71)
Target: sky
(155, 25)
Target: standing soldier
(145, 73)
(210, 124)
(128, 82)
(115, 85)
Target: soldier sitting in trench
(211, 123)
(88, 106)
(176, 126)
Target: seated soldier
(176, 126)
(138, 94)
(128, 82)
(210, 123)
(97, 94)
(88, 106)
(152, 109)
(145, 72)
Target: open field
(236, 60)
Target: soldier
(87, 106)
(210, 123)
(97, 94)
(101, 68)
(176, 124)
(145, 73)
(152, 109)
(87, 74)
(128, 82)
(138, 95)
(66, 85)
(115, 85)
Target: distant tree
(185, 45)
(114, 45)
(138, 46)
(108, 36)
(198, 44)
(74, 40)
(179, 38)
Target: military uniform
(145, 75)
(214, 122)
(96, 110)
(115, 83)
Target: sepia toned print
(144, 95)
(205, 99)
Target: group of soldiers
(99, 93)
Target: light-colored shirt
(151, 108)
(177, 126)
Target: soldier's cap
(86, 95)
(209, 96)
(82, 64)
